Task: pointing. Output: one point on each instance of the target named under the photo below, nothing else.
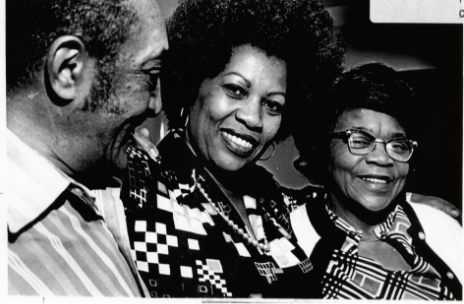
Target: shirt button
(422, 235)
(450, 275)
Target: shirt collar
(34, 183)
(381, 231)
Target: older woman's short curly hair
(372, 86)
(202, 34)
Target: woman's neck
(358, 217)
(227, 180)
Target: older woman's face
(372, 180)
(238, 113)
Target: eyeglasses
(362, 143)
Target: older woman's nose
(250, 114)
(379, 155)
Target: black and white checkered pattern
(138, 188)
(207, 275)
(146, 253)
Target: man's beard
(102, 95)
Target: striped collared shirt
(61, 235)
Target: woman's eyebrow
(277, 93)
(398, 134)
(370, 131)
(237, 74)
(361, 129)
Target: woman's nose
(249, 113)
(379, 155)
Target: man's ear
(66, 62)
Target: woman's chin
(372, 209)
(230, 166)
(375, 204)
(231, 162)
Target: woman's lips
(376, 181)
(239, 143)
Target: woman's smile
(371, 180)
(238, 142)
(376, 184)
(238, 113)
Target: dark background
(430, 57)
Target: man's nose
(155, 104)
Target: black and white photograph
(232, 150)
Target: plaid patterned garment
(350, 276)
(184, 248)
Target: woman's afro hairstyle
(203, 33)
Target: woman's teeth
(242, 144)
(374, 180)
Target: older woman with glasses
(364, 240)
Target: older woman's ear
(434, 202)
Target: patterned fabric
(58, 240)
(350, 276)
(184, 248)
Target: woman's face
(238, 113)
(372, 180)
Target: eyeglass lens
(361, 144)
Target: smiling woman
(370, 177)
(364, 240)
(209, 222)
(238, 113)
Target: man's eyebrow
(155, 62)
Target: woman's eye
(274, 106)
(359, 141)
(235, 91)
(399, 146)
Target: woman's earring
(186, 119)
(272, 153)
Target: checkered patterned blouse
(184, 248)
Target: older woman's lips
(240, 144)
(376, 182)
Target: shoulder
(443, 234)
(264, 182)
(304, 230)
(261, 180)
(434, 220)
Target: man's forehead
(146, 8)
(148, 39)
(149, 18)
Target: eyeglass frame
(346, 134)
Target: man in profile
(81, 76)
